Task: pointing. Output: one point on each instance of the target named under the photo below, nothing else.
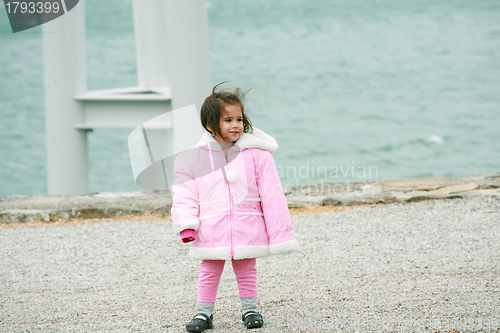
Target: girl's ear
(210, 130)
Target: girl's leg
(208, 283)
(246, 276)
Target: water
(351, 90)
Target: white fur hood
(256, 139)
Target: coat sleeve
(185, 203)
(276, 215)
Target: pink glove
(188, 235)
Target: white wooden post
(64, 76)
(187, 52)
(172, 49)
(187, 28)
(173, 72)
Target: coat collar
(256, 139)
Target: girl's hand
(188, 235)
(188, 239)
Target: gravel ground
(419, 267)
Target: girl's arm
(276, 215)
(185, 204)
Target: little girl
(228, 201)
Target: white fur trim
(256, 139)
(214, 145)
(209, 253)
(245, 252)
(187, 224)
(284, 248)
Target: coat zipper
(231, 241)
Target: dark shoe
(200, 322)
(252, 319)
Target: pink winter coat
(235, 203)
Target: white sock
(207, 308)
(249, 303)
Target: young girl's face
(231, 123)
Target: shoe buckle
(200, 317)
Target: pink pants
(211, 271)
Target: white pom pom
(231, 175)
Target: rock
(297, 204)
(330, 202)
(396, 190)
(23, 208)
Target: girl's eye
(240, 119)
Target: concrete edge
(17, 209)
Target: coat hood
(256, 139)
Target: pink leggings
(211, 271)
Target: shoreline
(140, 205)
(154, 217)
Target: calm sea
(352, 90)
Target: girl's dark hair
(213, 109)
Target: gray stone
(23, 208)
(396, 190)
